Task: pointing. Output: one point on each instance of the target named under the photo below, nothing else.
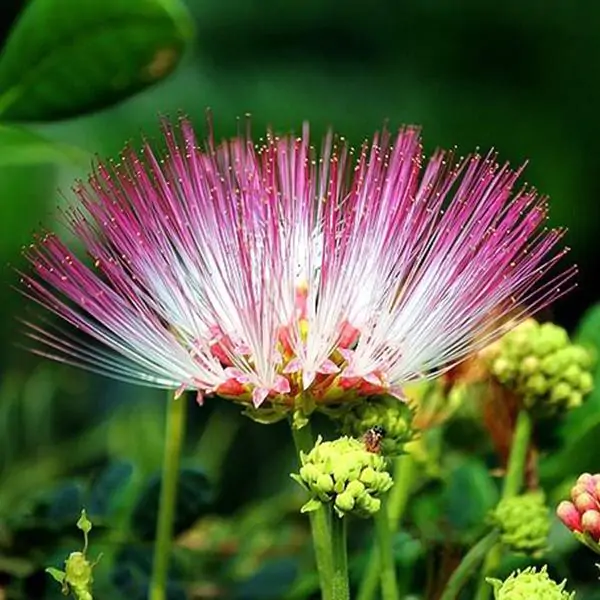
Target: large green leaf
(19, 146)
(67, 57)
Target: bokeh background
(517, 76)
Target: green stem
(468, 564)
(340, 585)
(513, 482)
(174, 434)
(387, 571)
(404, 476)
(319, 523)
(517, 460)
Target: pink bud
(584, 478)
(585, 501)
(569, 515)
(576, 490)
(590, 523)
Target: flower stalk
(174, 436)
(512, 485)
(403, 476)
(468, 564)
(385, 554)
(340, 586)
(319, 522)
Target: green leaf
(194, 499)
(65, 58)
(588, 335)
(56, 574)
(20, 146)
(469, 495)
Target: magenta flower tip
(259, 272)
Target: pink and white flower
(260, 273)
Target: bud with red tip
(582, 513)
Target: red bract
(262, 272)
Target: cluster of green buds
(540, 364)
(582, 513)
(346, 474)
(77, 577)
(530, 584)
(524, 523)
(387, 413)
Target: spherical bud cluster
(524, 522)
(78, 575)
(582, 514)
(393, 416)
(344, 473)
(538, 362)
(530, 584)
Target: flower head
(530, 584)
(263, 273)
(524, 522)
(540, 364)
(346, 474)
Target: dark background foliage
(517, 76)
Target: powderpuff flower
(266, 273)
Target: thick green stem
(319, 523)
(513, 482)
(517, 460)
(387, 570)
(468, 564)
(174, 434)
(404, 476)
(340, 585)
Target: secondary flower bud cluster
(530, 584)
(77, 578)
(387, 412)
(343, 472)
(524, 522)
(539, 363)
(582, 513)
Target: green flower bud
(542, 367)
(524, 522)
(344, 502)
(344, 473)
(387, 412)
(530, 585)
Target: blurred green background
(517, 76)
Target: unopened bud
(585, 501)
(582, 514)
(590, 523)
(385, 413)
(569, 515)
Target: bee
(373, 437)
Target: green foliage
(22, 147)
(194, 499)
(64, 58)
(469, 496)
